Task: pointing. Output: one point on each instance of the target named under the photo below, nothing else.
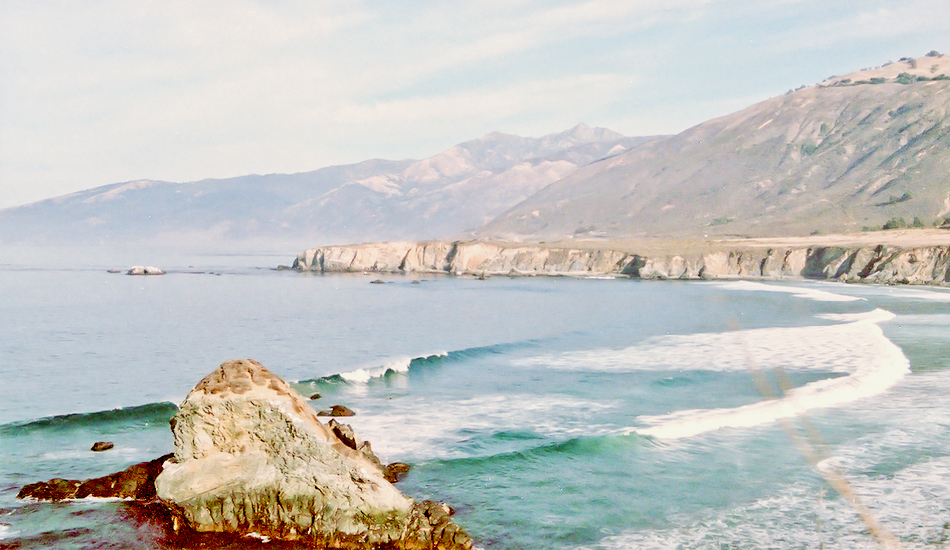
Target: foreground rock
(252, 457)
(136, 482)
(867, 264)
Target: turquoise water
(551, 413)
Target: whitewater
(551, 413)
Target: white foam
(909, 504)
(800, 292)
(835, 348)
(364, 375)
(873, 364)
(874, 316)
(6, 531)
(418, 427)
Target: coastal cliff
(883, 264)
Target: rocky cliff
(871, 264)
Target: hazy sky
(96, 92)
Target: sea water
(551, 413)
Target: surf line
(867, 378)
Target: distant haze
(459, 189)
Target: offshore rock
(337, 410)
(144, 270)
(252, 457)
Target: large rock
(251, 456)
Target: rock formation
(144, 270)
(136, 482)
(251, 456)
(869, 264)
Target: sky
(96, 92)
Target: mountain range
(859, 151)
(458, 189)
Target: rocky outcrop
(871, 264)
(251, 456)
(136, 482)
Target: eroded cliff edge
(883, 264)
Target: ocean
(551, 413)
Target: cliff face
(871, 264)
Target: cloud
(107, 91)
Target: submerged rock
(251, 456)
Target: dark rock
(337, 410)
(377, 282)
(395, 471)
(315, 396)
(344, 432)
(102, 446)
(54, 489)
(135, 482)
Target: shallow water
(551, 413)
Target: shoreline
(912, 256)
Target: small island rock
(337, 410)
(144, 270)
(251, 456)
(100, 446)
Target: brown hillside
(824, 159)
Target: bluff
(881, 263)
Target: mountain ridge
(820, 159)
(459, 188)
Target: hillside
(835, 157)
(460, 188)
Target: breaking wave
(857, 348)
(406, 364)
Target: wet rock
(100, 446)
(136, 482)
(315, 396)
(54, 489)
(337, 410)
(396, 471)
